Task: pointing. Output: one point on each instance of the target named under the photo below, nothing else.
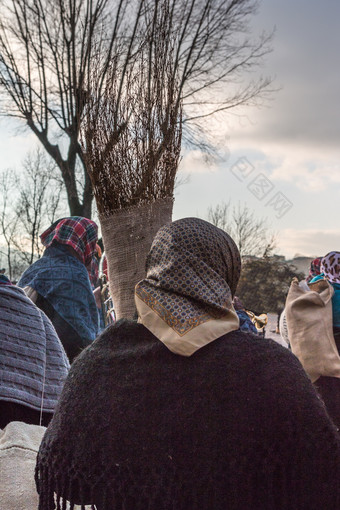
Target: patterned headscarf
(192, 273)
(79, 233)
(314, 269)
(330, 266)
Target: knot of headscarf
(75, 231)
(192, 273)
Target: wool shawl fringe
(283, 488)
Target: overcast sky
(282, 160)
(293, 142)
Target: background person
(182, 409)
(33, 367)
(329, 387)
(314, 269)
(59, 282)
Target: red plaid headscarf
(79, 233)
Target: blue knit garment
(63, 281)
(33, 363)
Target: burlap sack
(127, 237)
(310, 328)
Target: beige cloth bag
(19, 445)
(310, 328)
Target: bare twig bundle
(132, 140)
(132, 130)
(132, 124)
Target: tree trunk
(68, 172)
(78, 209)
(87, 197)
(127, 237)
(9, 262)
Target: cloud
(305, 176)
(195, 162)
(14, 146)
(306, 111)
(310, 171)
(309, 242)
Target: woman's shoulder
(12, 291)
(124, 337)
(128, 333)
(250, 353)
(246, 342)
(21, 435)
(124, 329)
(228, 357)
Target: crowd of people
(186, 407)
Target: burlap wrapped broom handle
(127, 236)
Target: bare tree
(48, 50)
(46, 53)
(213, 56)
(219, 215)
(8, 219)
(38, 203)
(264, 284)
(251, 234)
(30, 202)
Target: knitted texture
(329, 389)
(33, 363)
(127, 236)
(236, 426)
(63, 280)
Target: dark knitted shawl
(237, 425)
